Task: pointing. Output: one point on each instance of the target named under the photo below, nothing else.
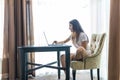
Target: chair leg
(98, 73)
(91, 73)
(74, 74)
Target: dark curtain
(114, 41)
(18, 31)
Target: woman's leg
(81, 53)
(72, 56)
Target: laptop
(51, 44)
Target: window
(53, 16)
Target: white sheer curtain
(53, 16)
(100, 10)
(1, 33)
(1, 25)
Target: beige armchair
(92, 62)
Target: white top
(77, 43)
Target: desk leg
(26, 66)
(58, 63)
(22, 63)
(67, 54)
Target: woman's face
(71, 27)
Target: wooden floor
(79, 76)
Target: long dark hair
(76, 27)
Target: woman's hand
(80, 49)
(54, 42)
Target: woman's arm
(65, 41)
(62, 42)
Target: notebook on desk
(51, 44)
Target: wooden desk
(24, 59)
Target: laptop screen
(51, 44)
(45, 38)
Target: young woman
(80, 41)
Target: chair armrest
(92, 61)
(77, 65)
